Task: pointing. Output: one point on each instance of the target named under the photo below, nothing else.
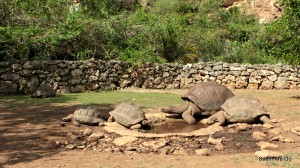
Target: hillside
(265, 11)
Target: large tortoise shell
(87, 115)
(243, 109)
(44, 91)
(208, 96)
(128, 114)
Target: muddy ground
(35, 136)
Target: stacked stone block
(80, 76)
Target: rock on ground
(214, 141)
(155, 144)
(124, 140)
(264, 145)
(296, 130)
(203, 152)
(258, 135)
(219, 147)
(95, 136)
(267, 153)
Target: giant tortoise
(44, 91)
(203, 98)
(240, 109)
(129, 115)
(89, 116)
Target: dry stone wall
(80, 76)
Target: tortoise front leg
(188, 116)
(265, 119)
(75, 122)
(216, 118)
(136, 126)
(111, 119)
(212, 119)
(221, 118)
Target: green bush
(168, 31)
(282, 39)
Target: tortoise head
(166, 110)
(144, 122)
(179, 109)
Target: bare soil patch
(35, 136)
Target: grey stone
(96, 136)
(281, 83)
(11, 77)
(8, 87)
(28, 85)
(62, 72)
(203, 152)
(76, 72)
(272, 77)
(30, 65)
(214, 141)
(264, 73)
(4, 64)
(51, 68)
(219, 147)
(155, 144)
(267, 154)
(264, 145)
(245, 73)
(266, 85)
(124, 140)
(26, 73)
(17, 67)
(258, 135)
(237, 68)
(86, 132)
(217, 68)
(92, 86)
(78, 89)
(74, 81)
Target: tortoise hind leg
(136, 126)
(265, 119)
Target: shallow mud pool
(179, 126)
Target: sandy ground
(32, 136)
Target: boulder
(203, 152)
(124, 140)
(264, 145)
(267, 154)
(258, 135)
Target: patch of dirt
(265, 11)
(35, 136)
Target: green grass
(102, 97)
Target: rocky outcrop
(80, 76)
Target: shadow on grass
(12, 101)
(31, 126)
(103, 97)
(29, 132)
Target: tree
(283, 36)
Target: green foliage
(168, 31)
(282, 39)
